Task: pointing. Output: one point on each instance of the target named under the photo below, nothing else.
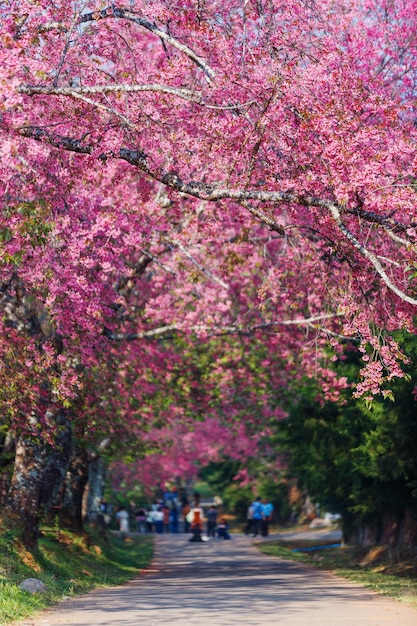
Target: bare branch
(159, 263)
(299, 320)
(233, 329)
(120, 13)
(155, 332)
(372, 258)
(45, 28)
(77, 92)
(209, 192)
(397, 238)
(144, 261)
(108, 109)
(99, 89)
(390, 261)
(386, 221)
(264, 218)
(65, 51)
(58, 141)
(202, 269)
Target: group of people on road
(172, 516)
(159, 518)
(196, 518)
(165, 516)
(258, 517)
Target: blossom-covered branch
(219, 191)
(234, 329)
(132, 16)
(103, 89)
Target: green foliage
(220, 477)
(34, 228)
(355, 459)
(67, 564)
(236, 498)
(204, 489)
(350, 457)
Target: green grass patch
(375, 568)
(68, 565)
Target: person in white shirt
(122, 517)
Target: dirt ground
(224, 583)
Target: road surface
(227, 583)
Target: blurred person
(256, 516)
(122, 517)
(223, 529)
(267, 510)
(211, 516)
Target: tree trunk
(22, 502)
(357, 531)
(395, 531)
(7, 454)
(409, 531)
(400, 532)
(96, 477)
(56, 462)
(70, 514)
(38, 472)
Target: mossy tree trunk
(70, 514)
(39, 468)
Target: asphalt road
(225, 583)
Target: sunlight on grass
(67, 564)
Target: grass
(375, 568)
(68, 564)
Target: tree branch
(155, 332)
(264, 218)
(383, 220)
(372, 258)
(201, 268)
(186, 94)
(58, 141)
(217, 191)
(233, 329)
(79, 92)
(120, 13)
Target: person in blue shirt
(267, 510)
(257, 516)
(223, 529)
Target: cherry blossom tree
(297, 116)
(202, 168)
